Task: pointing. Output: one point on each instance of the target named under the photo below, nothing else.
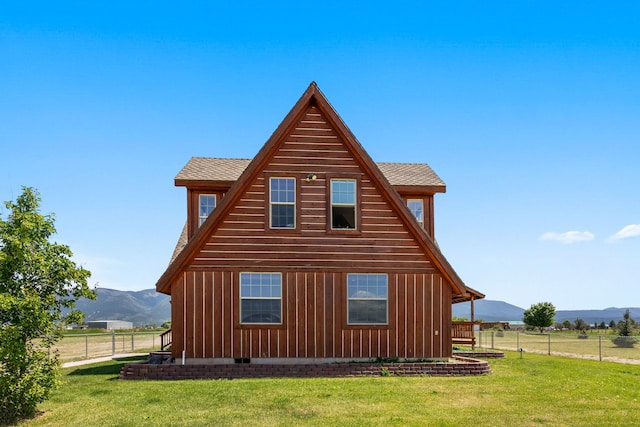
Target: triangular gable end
(311, 97)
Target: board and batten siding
(206, 322)
(314, 262)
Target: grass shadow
(107, 368)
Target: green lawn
(534, 390)
(561, 344)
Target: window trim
(421, 201)
(241, 298)
(356, 206)
(202, 219)
(267, 206)
(348, 299)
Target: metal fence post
(86, 346)
(600, 346)
(549, 336)
(132, 342)
(492, 343)
(113, 342)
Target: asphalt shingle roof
(217, 169)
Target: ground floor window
(260, 298)
(367, 299)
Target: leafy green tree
(39, 285)
(566, 324)
(540, 315)
(580, 325)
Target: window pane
(343, 191)
(282, 199)
(282, 216)
(343, 217)
(367, 298)
(368, 311)
(207, 203)
(343, 203)
(417, 209)
(260, 297)
(260, 310)
(282, 190)
(367, 286)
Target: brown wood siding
(206, 306)
(381, 241)
(314, 261)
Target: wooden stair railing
(463, 333)
(165, 340)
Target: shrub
(625, 342)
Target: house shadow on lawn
(107, 368)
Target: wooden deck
(463, 333)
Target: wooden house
(310, 251)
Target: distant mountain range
(140, 307)
(493, 311)
(150, 307)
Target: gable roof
(200, 169)
(312, 96)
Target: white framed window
(343, 204)
(416, 206)
(367, 299)
(282, 201)
(261, 298)
(206, 205)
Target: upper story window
(260, 298)
(206, 205)
(282, 201)
(367, 298)
(343, 204)
(416, 206)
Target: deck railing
(165, 339)
(463, 333)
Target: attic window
(343, 204)
(206, 205)
(367, 299)
(416, 206)
(283, 202)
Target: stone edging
(463, 366)
(480, 354)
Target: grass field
(594, 346)
(85, 346)
(535, 390)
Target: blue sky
(529, 111)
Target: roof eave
(204, 184)
(420, 189)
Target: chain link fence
(74, 347)
(588, 346)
